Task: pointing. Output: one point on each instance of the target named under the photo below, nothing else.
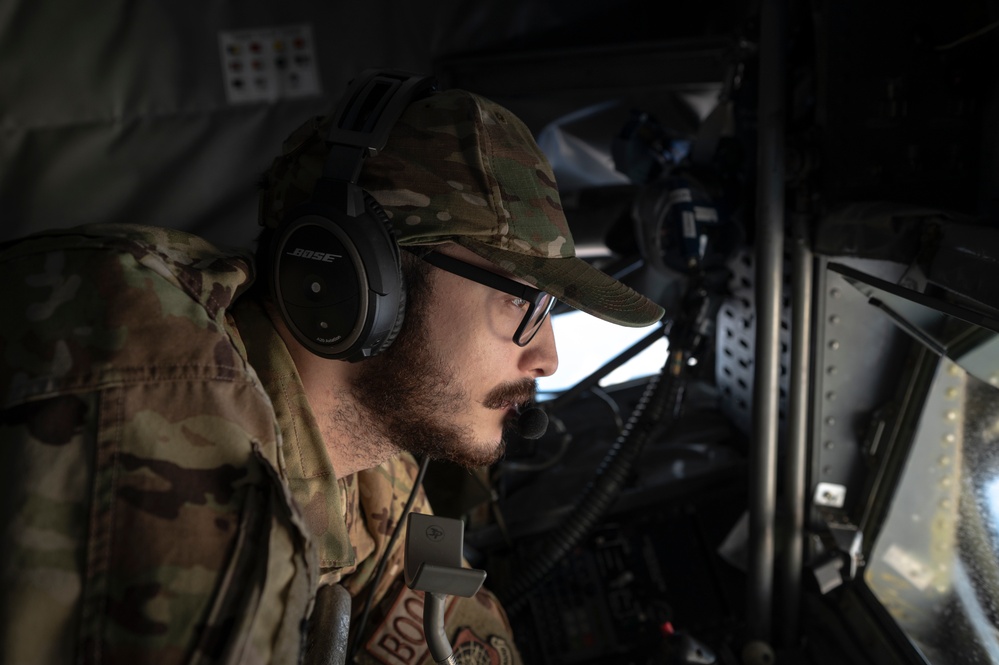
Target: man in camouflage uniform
(181, 478)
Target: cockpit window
(586, 343)
(935, 562)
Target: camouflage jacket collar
(305, 463)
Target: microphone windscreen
(532, 423)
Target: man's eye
(520, 302)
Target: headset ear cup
(398, 324)
(335, 260)
(337, 278)
(375, 210)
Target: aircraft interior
(799, 463)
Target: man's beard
(411, 396)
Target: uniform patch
(470, 649)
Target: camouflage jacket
(166, 493)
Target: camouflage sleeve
(141, 516)
(477, 627)
(131, 538)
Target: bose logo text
(315, 256)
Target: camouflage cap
(460, 168)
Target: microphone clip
(433, 565)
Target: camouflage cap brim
(576, 283)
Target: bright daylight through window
(586, 343)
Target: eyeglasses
(539, 303)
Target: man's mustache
(515, 392)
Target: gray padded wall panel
(115, 111)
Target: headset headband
(365, 116)
(337, 276)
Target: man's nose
(540, 357)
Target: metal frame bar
(799, 402)
(769, 279)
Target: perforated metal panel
(856, 370)
(736, 343)
(856, 355)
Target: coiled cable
(657, 407)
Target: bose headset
(337, 276)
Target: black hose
(660, 399)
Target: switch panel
(268, 64)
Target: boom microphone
(532, 423)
